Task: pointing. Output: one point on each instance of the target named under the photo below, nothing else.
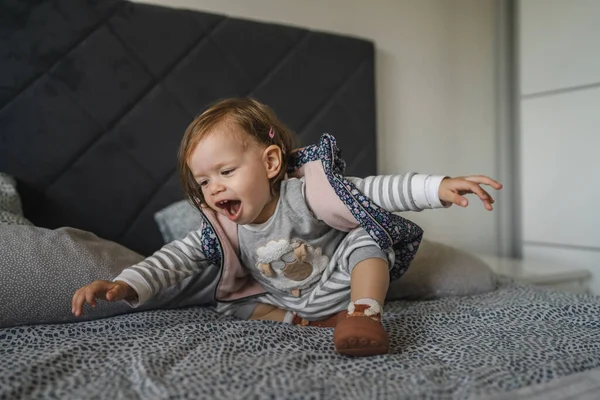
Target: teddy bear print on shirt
(290, 266)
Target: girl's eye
(226, 172)
(203, 183)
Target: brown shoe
(360, 336)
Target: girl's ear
(272, 160)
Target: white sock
(289, 317)
(374, 307)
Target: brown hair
(255, 118)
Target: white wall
(560, 132)
(435, 88)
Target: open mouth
(231, 208)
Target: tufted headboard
(95, 96)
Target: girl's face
(235, 178)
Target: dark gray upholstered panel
(95, 96)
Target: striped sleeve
(168, 266)
(410, 192)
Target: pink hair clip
(272, 136)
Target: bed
(94, 97)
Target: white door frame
(507, 129)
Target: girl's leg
(361, 333)
(370, 280)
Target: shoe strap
(360, 311)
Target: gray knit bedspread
(452, 348)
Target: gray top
(183, 258)
(292, 248)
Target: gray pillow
(10, 203)
(177, 220)
(437, 271)
(40, 270)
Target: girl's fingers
(471, 184)
(89, 294)
(486, 198)
(488, 206)
(482, 194)
(78, 303)
(485, 180)
(90, 298)
(457, 199)
(113, 293)
(74, 301)
(466, 187)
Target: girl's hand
(103, 290)
(451, 190)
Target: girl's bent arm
(409, 192)
(168, 266)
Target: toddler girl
(296, 241)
